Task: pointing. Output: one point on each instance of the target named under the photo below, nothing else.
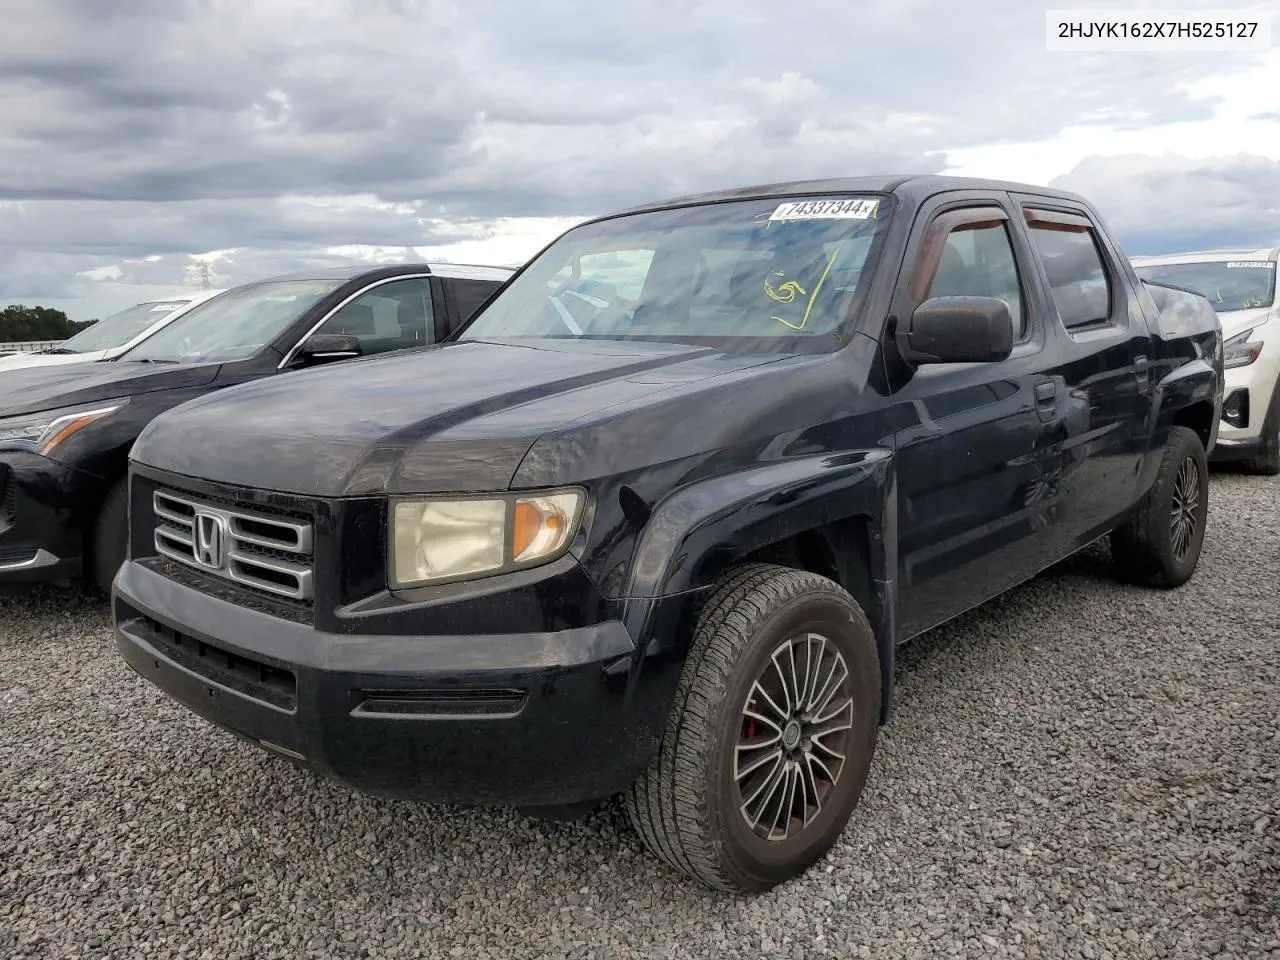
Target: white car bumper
(1249, 393)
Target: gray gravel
(1079, 769)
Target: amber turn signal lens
(541, 525)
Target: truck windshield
(119, 328)
(1227, 284)
(234, 325)
(752, 274)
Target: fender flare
(703, 528)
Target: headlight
(45, 431)
(1240, 351)
(437, 540)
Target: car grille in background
(8, 499)
(266, 553)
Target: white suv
(109, 338)
(1241, 286)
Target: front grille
(261, 550)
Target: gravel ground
(1079, 769)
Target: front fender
(700, 530)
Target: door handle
(1140, 367)
(1046, 400)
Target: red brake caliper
(751, 723)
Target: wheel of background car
(1267, 460)
(1159, 546)
(770, 736)
(109, 538)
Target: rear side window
(1074, 266)
(470, 296)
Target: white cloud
(145, 137)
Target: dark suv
(65, 432)
(654, 523)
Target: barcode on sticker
(860, 209)
(1250, 265)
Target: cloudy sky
(144, 138)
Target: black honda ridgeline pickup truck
(654, 522)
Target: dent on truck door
(1103, 371)
(973, 506)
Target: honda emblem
(211, 540)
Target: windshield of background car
(234, 325)
(119, 328)
(751, 274)
(1227, 284)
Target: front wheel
(1267, 459)
(1159, 546)
(108, 540)
(771, 735)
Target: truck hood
(35, 389)
(454, 417)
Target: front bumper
(1254, 387)
(526, 719)
(43, 506)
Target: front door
(974, 504)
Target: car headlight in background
(1240, 351)
(45, 431)
(434, 540)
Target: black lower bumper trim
(537, 719)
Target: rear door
(974, 506)
(1102, 369)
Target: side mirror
(328, 347)
(957, 330)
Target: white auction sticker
(165, 307)
(1251, 265)
(862, 208)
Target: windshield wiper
(154, 360)
(58, 350)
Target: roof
(914, 187)
(1208, 256)
(470, 271)
(187, 296)
(354, 271)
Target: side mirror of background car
(957, 330)
(328, 347)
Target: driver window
(392, 316)
(980, 263)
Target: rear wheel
(1159, 546)
(771, 735)
(109, 539)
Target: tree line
(20, 323)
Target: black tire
(1267, 460)
(687, 805)
(109, 539)
(1148, 549)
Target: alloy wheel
(1185, 514)
(796, 726)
